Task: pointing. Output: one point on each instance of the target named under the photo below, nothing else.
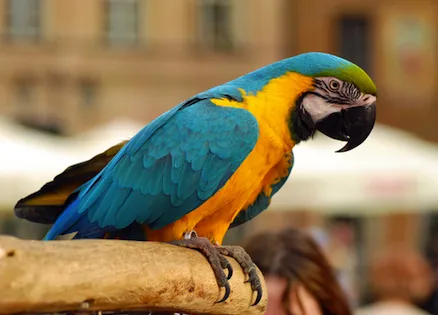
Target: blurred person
(431, 303)
(298, 276)
(399, 280)
(342, 255)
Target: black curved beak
(353, 125)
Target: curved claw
(249, 268)
(252, 275)
(225, 264)
(259, 295)
(217, 261)
(227, 293)
(255, 284)
(230, 270)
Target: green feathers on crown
(353, 74)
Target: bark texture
(111, 275)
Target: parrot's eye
(334, 85)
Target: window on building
(122, 22)
(355, 42)
(24, 94)
(87, 93)
(23, 19)
(30, 111)
(216, 29)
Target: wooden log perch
(111, 275)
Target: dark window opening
(23, 19)
(88, 93)
(122, 22)
(216, 24)
(354, 40)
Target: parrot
(212, 162)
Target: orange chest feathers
(267, 163)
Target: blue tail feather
(68, 218)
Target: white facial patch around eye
(318, 108)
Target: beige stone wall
(139, 82)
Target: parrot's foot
(216, 260)
(248, 266)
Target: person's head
(299, 279)
(400, 274)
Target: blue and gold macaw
(212, 162)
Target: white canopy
(29, 159)
(26, 159)
(391, 170)
(103, 137)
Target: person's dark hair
(402, 274)
(293, 255)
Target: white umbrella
(392, 169)
(27, 160)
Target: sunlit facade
(69, 65)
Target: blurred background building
(78, 76)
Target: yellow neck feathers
(272, 105)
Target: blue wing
(163, 174)
(261, 203)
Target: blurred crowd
(301, 280)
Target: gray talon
(217, 261)
(249, 268)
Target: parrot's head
(341, 103)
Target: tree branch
(111, 275)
